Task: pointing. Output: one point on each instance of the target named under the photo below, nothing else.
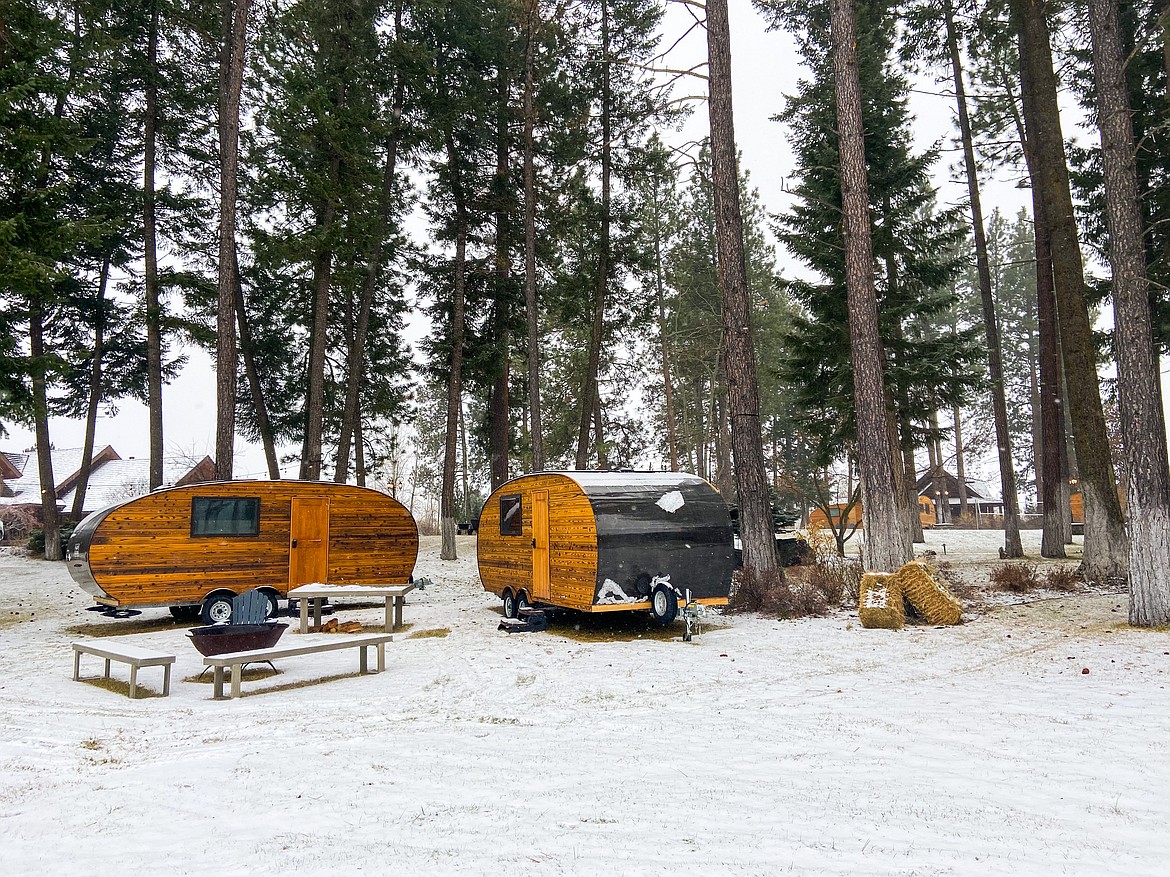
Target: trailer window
(225, 516)
(511, 516)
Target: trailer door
(540, 572)
(308, 554)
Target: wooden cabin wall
(143, 552)
(506, 561)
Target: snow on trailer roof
(619, 478)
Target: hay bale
(880, 603)
(928, 595)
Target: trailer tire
(273, 604)
(217, 608)
(522, 603)
(509, 604)
(664, 605)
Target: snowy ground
(810, 747)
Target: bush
(1062, 578)
(956, 584)
(1018, 578)
(774, 593)
(838, 578)
(36, 539)
(18, 521)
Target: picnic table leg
(237, 672)
(381, 657)
(304, 607)
(133, 679)
(76, 666)
(317, 601)
(389, 613)
(398, 603)
(363, 664)
(166, 680)
(217, 676)
(107, 668)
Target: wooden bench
(237, 660)
(395, 599)
(125, 654)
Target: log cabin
(193, 548)
(606, 541)
(818, 518)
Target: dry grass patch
(1018, 577)
(434, 633)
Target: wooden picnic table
(395, 599)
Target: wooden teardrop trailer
(606, 541)
(192, 548)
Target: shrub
(838, 578)
(1018, 578)
(775, 594)
(1062, 578)
(18, 521)
(955, 582)
(36, 539)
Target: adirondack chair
(251, 607)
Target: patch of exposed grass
(124, 627)
(605, 627)
(119, 686)
(250, 673)
(434, 633)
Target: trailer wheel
(509, 605)
(217, 608)
(522, 603)
(664, 605)
(273, 605)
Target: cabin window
(511, 516)
(834, 513)
(225, 516)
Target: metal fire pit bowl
(220, 639)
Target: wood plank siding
(142, 552)
(506, 561)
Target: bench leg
(381, 657)
(76, 666)
(107, 668)
(166, 680)
(389, 613)
(217, 676)
(398, 603)
(317, 601)
(133, 679)
(304, 607)
(237, 672)
(363, 664)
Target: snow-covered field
(809, 747)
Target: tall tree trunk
(252, 374)
(356, 365)
(499, 411)
(887, 541)
(1055, 535)
(1036, 418)
(95, 394)
(901, 434)
(589, 389)
(1142, 421)
(359, 452)
(455, 382)
(50, 520)
(751, 478)
(1106, 544)
(664, 343)
(1013, 547)
(960, 465)
(234, 22)
(322, 282)
(150, 257)
(530, 298)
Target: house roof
(925, 486)
(112, 479)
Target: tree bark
(234, 21)
(95, 394)
(252, 374)
(664, 343)
(887, 541)
(590, 395)
(455, 382)
(751, 478)
(499, 411)
(50, 520)
(1142, 421)
(1054, 537)
(150, 256)
(960, 465)
(1013, 547)
(530, 294)
(1106, 544)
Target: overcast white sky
(765, 69)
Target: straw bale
(880, 603)
(928, 595)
